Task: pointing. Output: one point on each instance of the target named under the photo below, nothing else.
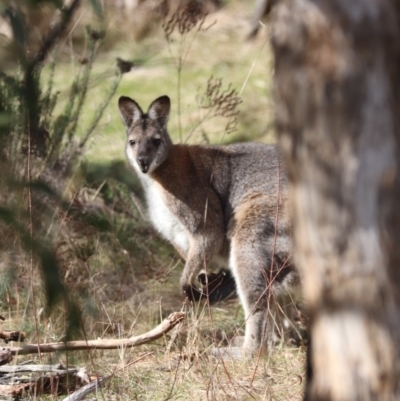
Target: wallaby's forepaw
(192, 293)
(189, 291)
(216, 287)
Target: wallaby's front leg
(201, 251)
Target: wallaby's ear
(130, 110)
(159, 110)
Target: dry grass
(176, 367)
(175, 376)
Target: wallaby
(217, 201)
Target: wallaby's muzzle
(143, 162)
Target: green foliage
(40, 148)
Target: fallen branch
(12, 336)
(52, 379)
(59, 369)
(164, 327)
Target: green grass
(220, 51)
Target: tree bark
(337, 93)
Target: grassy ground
(126, 277)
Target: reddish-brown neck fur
(178, 171)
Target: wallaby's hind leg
(252, 287)
(260, 249)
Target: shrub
(40, 148)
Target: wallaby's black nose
(143, 162)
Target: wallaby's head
(148, 142)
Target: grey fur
(226, 201)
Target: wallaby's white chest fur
(161, 216)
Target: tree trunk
(337, 93)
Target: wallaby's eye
(156, 142)
(131, 142)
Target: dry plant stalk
(219, 102)
(185, 19)
(164, 327)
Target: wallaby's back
(239, 170)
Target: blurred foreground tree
(337, 92)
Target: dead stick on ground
(59, 369)
(164, 327)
